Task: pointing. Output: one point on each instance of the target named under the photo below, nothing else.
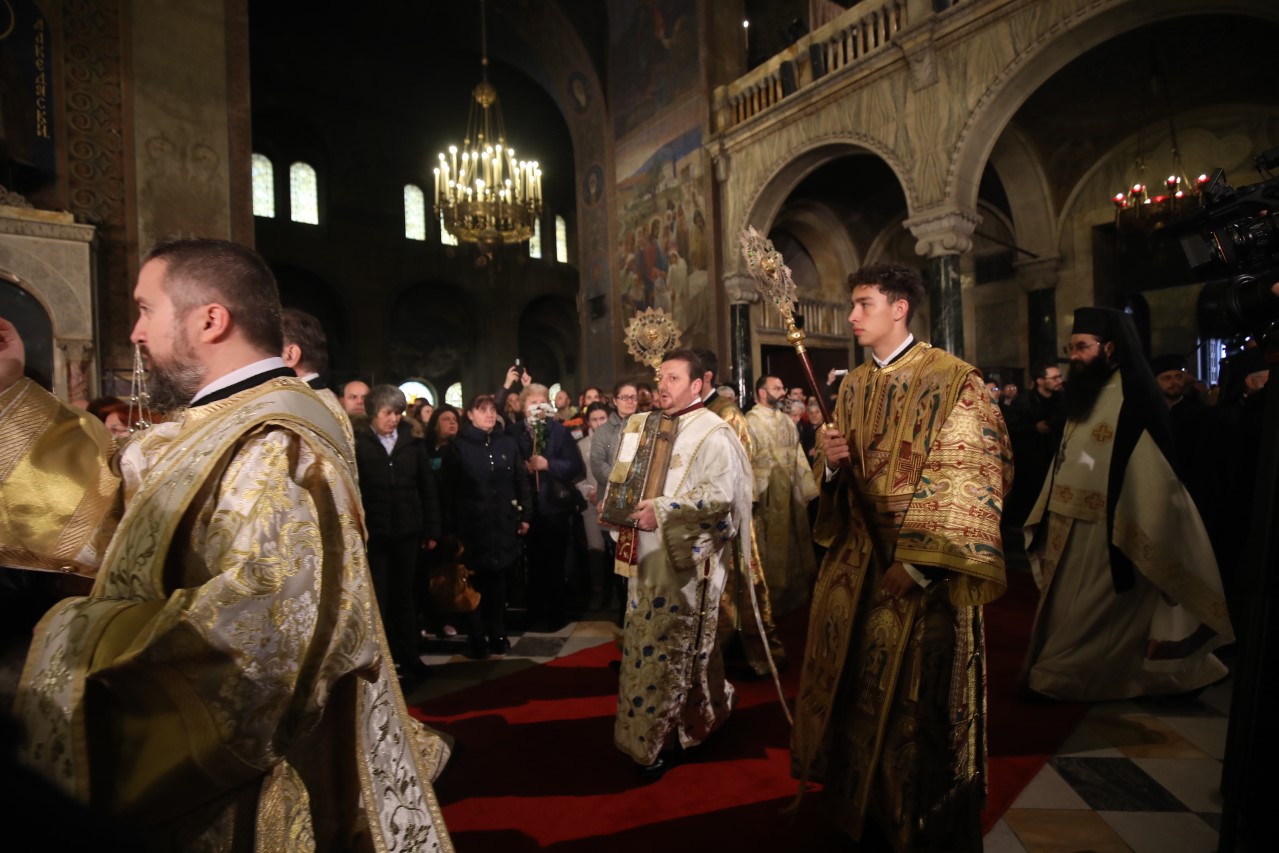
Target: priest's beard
(1084, 387)
(173, 383)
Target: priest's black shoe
(477, 649)
(665, 761)
(499, 645)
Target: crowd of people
(271, 554)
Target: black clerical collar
(245, 384)
(316, 383)
(907, 346)
(695, 405)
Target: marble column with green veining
(946, 304)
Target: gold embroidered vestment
(890, 714)
(224, 686)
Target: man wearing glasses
(1131, 600)
(1034, 425)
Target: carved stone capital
(741, 288)
(917, 46)
(943, 231)
(721, 161)
(1038, 273)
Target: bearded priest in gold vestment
(783, 487)
(672, 693)
(225, 685)
(891, 709)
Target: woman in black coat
(401, 511)
(488, 503)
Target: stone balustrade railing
(829, 319)
(864, 30)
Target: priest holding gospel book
(679, 495)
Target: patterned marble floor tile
(539, 645)
(1049, 791)
(1115, 784)
(1002, 839)
(1144, 736)
(1207, 733)
(1063, 831)
(1194, 781)
(1087, 742)
(1181, 705)
(450, 674)
(595, 629)
(577, 643)
(1114, 709)
(1162, 833)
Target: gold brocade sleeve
(701, 521)
(59, 500)
(952, 522)
(195, 695)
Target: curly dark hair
(894, 281)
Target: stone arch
(432, 332)
(786, 173)
(1055, 48)
(825, 239)
(1026, 185)
(23, 307)
(882, 250)
(308, 291)
(548, 344)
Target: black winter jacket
(486, 493)
(398, 490)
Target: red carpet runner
(536, 767)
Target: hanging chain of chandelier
(1138, 209)
(484, 194)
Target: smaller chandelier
(487, 197)
(1137, 209)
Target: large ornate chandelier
(487, 197)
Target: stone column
(742, 293)
(1038, 277)
(942, 235)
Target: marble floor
(1141, 776)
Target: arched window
(446, 239)
(263, 186)
(453, 395)
(561, 240)
(414, 212)
(304, 197)
(414, 388)
(535, 242)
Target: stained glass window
(304, 197)
(535, 242)
(561, 240)
(446, 239)
(414, 212)
(453, 396)
(263, 186)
